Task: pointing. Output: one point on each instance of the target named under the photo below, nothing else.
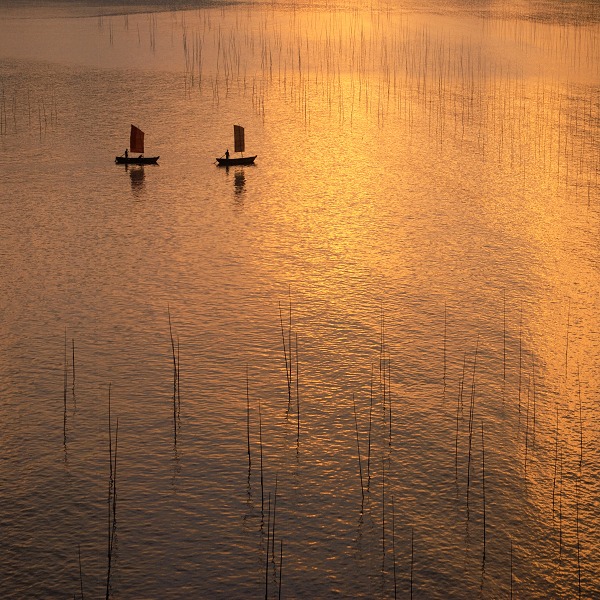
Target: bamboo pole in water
(174, 377)
(577, 480)
(297, 389)
(504, 334)
(273, 529)
(389, 373)
(370, 427)
(412, 558)
(65, 392)
(445, 337)
(285, 356)
(567, 338)
(267, 550)
(456, 436)
(534, 398)
(394, 550)
(383, 513)
(112, 507)
(280, 566)
(471, 413)
(80, 571)
(178, 382)
(555, 462)
(248, 418)
(511, 569)
(527, 429)
(483, 487)
(262, 485)
(520, 355)
(362, 487)
(73, 366)
(560, 508)
(580, 420)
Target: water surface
(423, 211)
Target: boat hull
(231, 162)
(140, 160)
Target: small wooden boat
(240, 160)
(239, 146)
(136, 144)
(136, 160)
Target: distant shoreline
(93, 8)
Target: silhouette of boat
(139, 160)
(136, 144)
(239, 146)
(231, 162)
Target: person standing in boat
(227, 154)
(126, 154)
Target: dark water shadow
(137, 176)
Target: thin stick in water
(267, 553)
(504, 332)
(248, 418)
(534, 396)
(412, 558)
(370, 427)
(280, 566)
(577, 535)
(445, 331)
(260, 445)
(297, 389)
(65, 396)
(362, 487)
(520, 354)
(483, 487)
(394, 550)
(580, 420)
(73, 365)
(527, 431)
(555, 462)
(80, 571)
(285, 356)
(273, 528)
(567, 338)
(174, 377)
(560, 508)
(383, 513)
(511, 569)
(471, 413)
(389, 370)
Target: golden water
(425, 198)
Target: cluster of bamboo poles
(407, 71)
(466, 401)
(476, 429)
(23, 111)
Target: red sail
(136, 140)
(238, 138)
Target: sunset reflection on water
(412, 262)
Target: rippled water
(419, 235)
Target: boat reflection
(136, 178)
(239, 181)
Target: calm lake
(367, 366)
